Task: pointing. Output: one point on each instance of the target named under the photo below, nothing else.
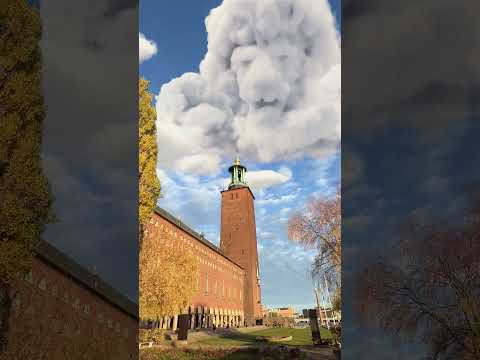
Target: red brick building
(238, 239)
(219, 299)
(229, 288)
(62, 311)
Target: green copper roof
(237, 171)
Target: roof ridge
(176, 221)
(50, 253)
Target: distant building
(328, 316)
(286, 312)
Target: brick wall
(220, 289)
(239, 242)
(55, 314)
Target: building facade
(287, 312)
(328, 316)
(228, 290)
(62, 311)
(219, 297)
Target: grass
(203, 354)
(299, 337)
(222, 347)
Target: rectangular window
(206, 283)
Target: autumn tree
(428, 288)
(167, 273)
(168, 277)
(25, 205)
(148, 183)
(318, 227)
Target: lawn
(203, 354)
(299, 337)
(225, 346)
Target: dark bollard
(183, 325)
(316, 337)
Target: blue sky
(283, 174)
(178, 29)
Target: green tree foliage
(25, 198)
(149, 185)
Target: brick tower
(238, 238)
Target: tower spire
(237, 172)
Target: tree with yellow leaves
(25, 198)
(148, 184)
(167, 274)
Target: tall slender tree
(167, 273)
(148, 183)
(25, 197)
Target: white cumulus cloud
(263, 179)
(268, 88)
(146, 48)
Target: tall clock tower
(238, 238)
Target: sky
(409, 145)
(262, 81)
(90, 90)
